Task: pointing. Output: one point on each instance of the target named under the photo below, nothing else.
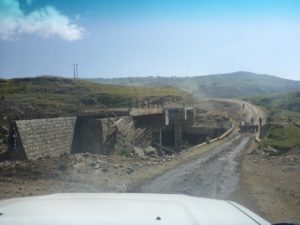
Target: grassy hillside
(60, 96)
(284, 119)
(231, 85)
(283, 137)
(284, 101)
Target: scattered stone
(129, 170)
(100, 161)
(270, 151)
(139, 152)
(121, 188)
(62, 167)
(253, 152)
(116, 166)
(5, 128)
(150, 151)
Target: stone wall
(46, 137)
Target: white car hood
(116, 208)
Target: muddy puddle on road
(213, 175)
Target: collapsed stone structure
(103, 133)
(89, 132)
(106, 135)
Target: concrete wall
(45, 137)
(94, 135)
(196, 135)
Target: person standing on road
(260, 121)
(14, 144)
(252, 120)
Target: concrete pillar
(177, 136)
(166, 117)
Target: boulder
(116, 166)
(121, 188)
(270, 151)
(150, 151)
(129, 170)
(139, 152)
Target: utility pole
(75, 70)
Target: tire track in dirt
(214, 174)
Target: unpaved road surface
(214, 174)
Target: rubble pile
(78, 173)
(277, 158)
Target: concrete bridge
(104, 131)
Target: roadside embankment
(269, 185)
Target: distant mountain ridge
(230, 85)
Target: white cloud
(45, 22)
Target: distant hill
(284, 101)
(56, 96)
(231, 85)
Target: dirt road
(214, 174)
(231, 171)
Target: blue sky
(117, 38)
